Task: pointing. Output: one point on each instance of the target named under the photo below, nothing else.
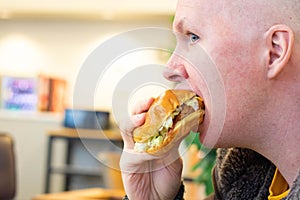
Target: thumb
(127, 127)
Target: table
(70, 136)
(85, 194)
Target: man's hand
(146, 176)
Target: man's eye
(193, 38)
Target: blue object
(86, 119)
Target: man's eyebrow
(179, 26)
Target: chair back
(7, 168)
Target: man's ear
(280, 41)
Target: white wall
(96, 8)
(58, 48)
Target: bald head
(264, 13)
(254, 46)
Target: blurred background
(43, 45)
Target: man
(255, 46)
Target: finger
(137, 162)
(127, 127)
(142, 106)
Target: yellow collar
(279, 188)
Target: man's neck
(283, 147)
(288, 160)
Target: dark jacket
(242, 174)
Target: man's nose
(175, 70)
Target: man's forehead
(197, 11)
(201, 6)
(191, 3)
(226, 9)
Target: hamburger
(171, 113)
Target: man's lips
(182, 86)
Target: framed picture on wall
(19, 93)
